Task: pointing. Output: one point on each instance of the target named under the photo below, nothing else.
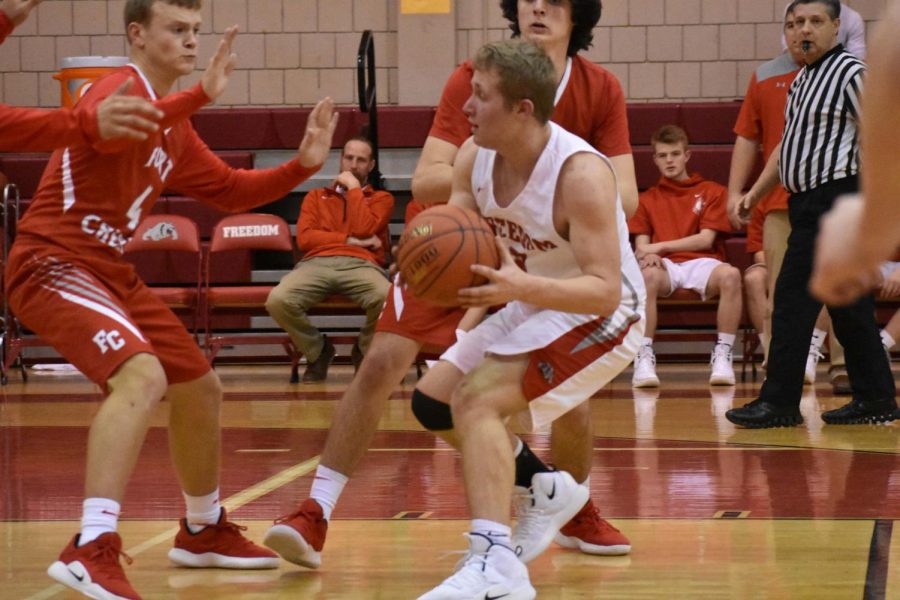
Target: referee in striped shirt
(817, 161)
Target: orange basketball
(438, 247)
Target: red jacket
(327, 219)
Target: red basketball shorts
(96, 322)
(432, 326)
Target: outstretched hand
(316, 142)
(222, 63)
(503, 284)
(17, 10)
(127, 117)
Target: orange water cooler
(78, 73)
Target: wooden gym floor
(712, 511)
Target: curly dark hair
(585, 15)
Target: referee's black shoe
(863, 411)
(760, 414)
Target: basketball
(438, 247)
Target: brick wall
(292, 52)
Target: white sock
(98, 516)
(886, 340)
(497, 532)
(818, 338)
(202, 510)
(726, 339)
(647, 341)
(763, 339)
(326, 489)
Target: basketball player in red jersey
(590, 103)
(119, 116)
(68, 283)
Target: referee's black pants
(795, 312)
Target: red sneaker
(300, 536)
(94, 569)
(221, 545)
(590, 533)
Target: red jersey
(762, 114)
(672, 210)
(592, 106)
(89, 201)
(328, 218)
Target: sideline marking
(879, 559)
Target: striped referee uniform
(819, 162)
(820, 142)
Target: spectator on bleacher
(851, 34)
(343, 234)
(678, 244)
(591, 105)
(66, 281)
(759, 126)
(119, 117)
(817, 161)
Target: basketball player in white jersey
(572, 320)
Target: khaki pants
(315, 279)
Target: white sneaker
(722, 372)
(812, 361)
(551, 501)
(490, 571)
(645, 369)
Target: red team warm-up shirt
(762, 119)
(327, 218)
(672, 210)
(592, 106)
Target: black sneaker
(356, 357)
(318, 369)
(763, 415)
(862, 411)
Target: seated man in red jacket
(678, 246)
(342, 232)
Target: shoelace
(646, 353)
(721, 351)
(593, 516)
(108, 554)
(294, 515)
(228, 527)
(470, 574)
(813, 351)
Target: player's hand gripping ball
(438, 247)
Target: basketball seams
(447, 270)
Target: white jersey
(570, 355)
(527, 222)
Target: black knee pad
(433, 415)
